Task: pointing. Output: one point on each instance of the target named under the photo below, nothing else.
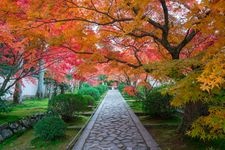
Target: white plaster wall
(153, 82)
(9, 93)
(29, 88)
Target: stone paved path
(115, 127)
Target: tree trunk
(55, 88)
(192, 111)
(41, 90)
(62, 89)
(17, 95)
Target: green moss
(78, 121)
(28, 107)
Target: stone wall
(9, 129)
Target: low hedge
(50, 128)
(67, 104)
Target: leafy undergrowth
(28, 107)
(27, 140)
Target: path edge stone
(145, 134)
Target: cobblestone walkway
(115, 127)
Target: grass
(78, 121)
(135, 105)
(27, 108)
(27, 140)
(175, 120)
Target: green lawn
(27, 108)
(135, 105)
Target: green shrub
(157, 104)
(89, 99)
(85, 85)
(3, 106)
(67, 104)
(121, 86)
(50, 128)
(90, 91)
(101, 88)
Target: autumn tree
(183, 32)
(14, 61)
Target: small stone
(116, 141)
(120, 145)
(25, 123)
(1, 138)
(6, 133)
(110, 138)
(99, 138)
(13, 125)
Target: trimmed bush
(89, 99)
(67, 104)
(3, 106)
(50, 128)
(101, 88)
(85, 85)
(121, 86)
(157, 104)
(90, 91)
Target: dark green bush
(90, 91)
(158, 104)
(85, 85)
(50, 128)
(89, 99)
(101, 88)
(67, 104)
(121, 86)
(3, 106)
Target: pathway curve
(115, 127)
